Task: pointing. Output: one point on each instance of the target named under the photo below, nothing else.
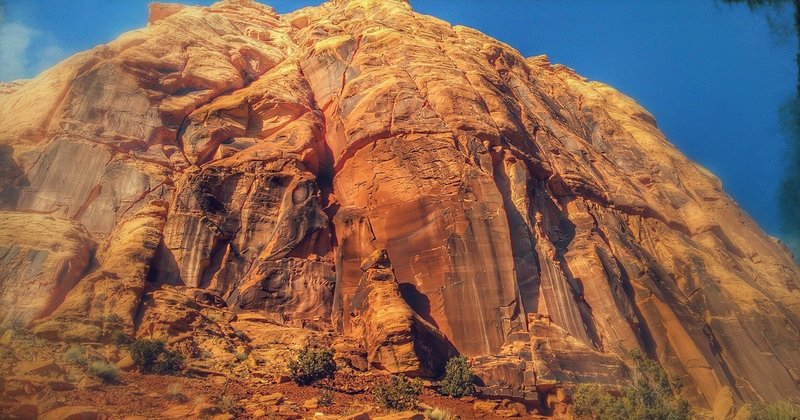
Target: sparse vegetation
(591, 401)
(151, 356)
(398, 393)
(76, 355)
(242, 335)
(458, 378)
(104, 370)
(228, 404)
(781, 410)
(175, 393)
(649, 397)
(241, 357)
(324, 397)
(439, 414)
(112, 319)
(17, 326)
(312, 365)
(119, 338)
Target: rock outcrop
(395, 337)
(536, 221)
(42, 258)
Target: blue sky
(713, 75)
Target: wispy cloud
(14, 42)
(25, 52)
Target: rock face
(535, 221)
(42, 259)
(396, 338)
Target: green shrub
(458, 378)
(169, 363)
(590, 401)
(649, 397)
(145, 353)
(104, 370)
(152, 356)
(398, 393)
(241, 357)
(311, 365)
(76, 355)
(119, 338)
(781, 410)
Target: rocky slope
(235, 161)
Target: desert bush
(781, 410)
(228, 404)
(175, 393)
(76, 355)
(324, 397)
(439, 414)
(398, 393)
(590, 401)
(17, 326)
(168, 363)
(458, 378)
(103, 370)
(311, 365)
(242, 335)
(145, 353)
(241, 357)
(152, 356)
(119, 338)
(650, 396)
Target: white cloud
(25, 52)
(48, 56)
(14, 42)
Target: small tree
(311, 365)
(399, 393)
(590, 401)
(458, 378)
(649, 397)
(781, 410)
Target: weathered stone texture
(538, 221)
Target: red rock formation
(537, 220)
(396, 338)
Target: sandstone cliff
(535, 221)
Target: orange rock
(42, 258)
(397, 339)
(71, 413)
(538, 222)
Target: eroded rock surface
(538, 221)
(41, 259)
(396, 338)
